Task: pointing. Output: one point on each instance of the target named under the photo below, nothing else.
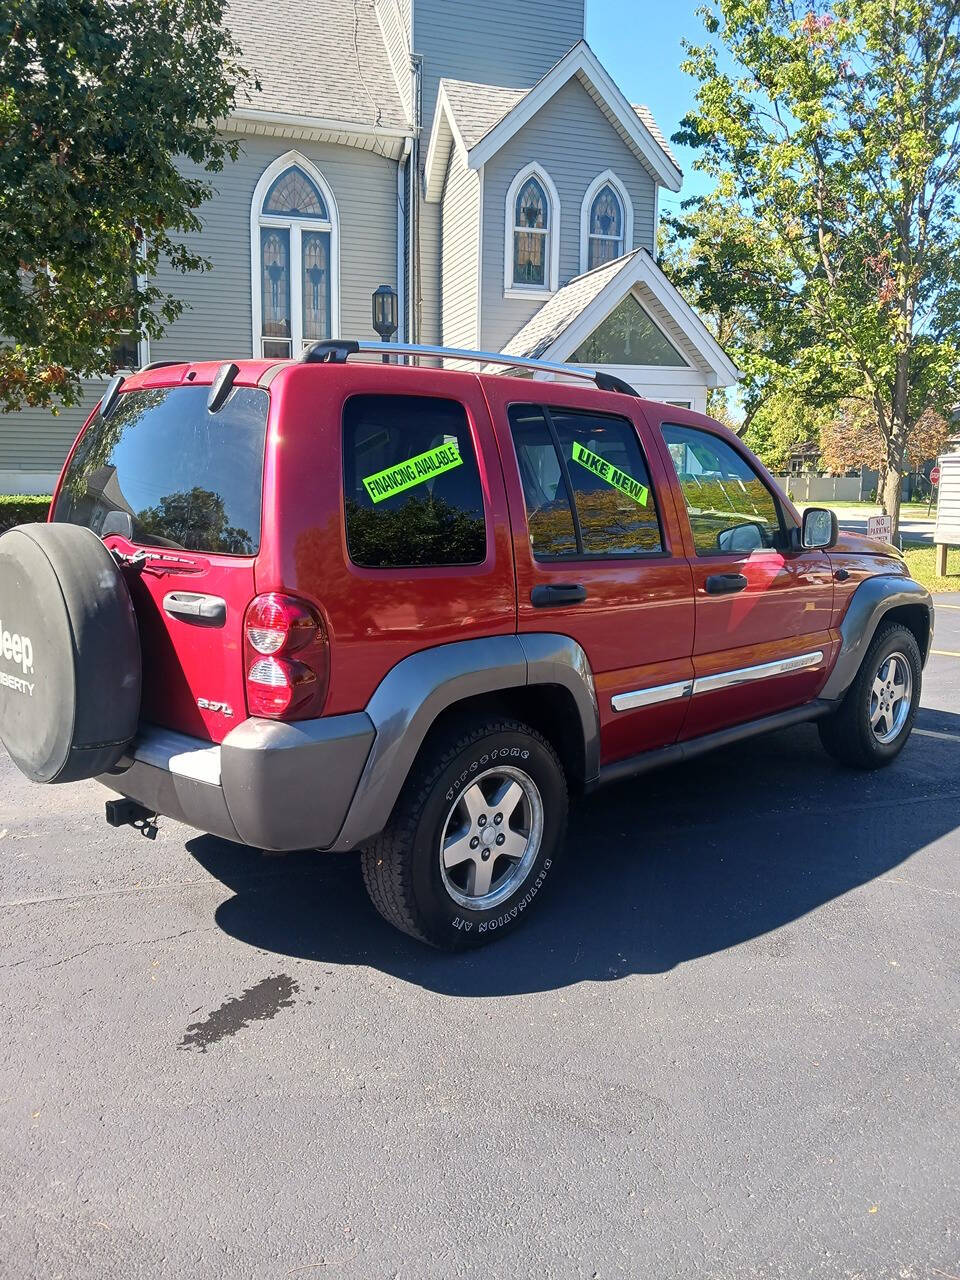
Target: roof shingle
(330, 64)
(478, 108)
(557, 314)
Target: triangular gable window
(628, 336)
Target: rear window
(164, 472)
(411, 483)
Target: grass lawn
(922, 562)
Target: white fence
(810, 488)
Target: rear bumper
(269, 785)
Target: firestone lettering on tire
(500, 753)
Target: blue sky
(638, 41)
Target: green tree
(782, 422)
(108, 132)
(834, 140)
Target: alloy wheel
(491, 838)
(891, 697)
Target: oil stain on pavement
(258, 1003)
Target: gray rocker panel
(872, 599)
(411, 696)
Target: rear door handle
(552, 594)
(189, 606)
(721, 584)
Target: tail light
(286, 658)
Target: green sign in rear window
(412, 491)
(425, 466)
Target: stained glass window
(275, 290)
(628, 336)
(606, 228)
(315, 253)
(531, 230)
(293, 195)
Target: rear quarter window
(163, 471)
(412, 492)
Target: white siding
(217, 324)
(573, 141)
(35, 441)
(429, 235)
(459, 230)
(497, 42)
(948, 500)
(218, 321)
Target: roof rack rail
(338, 350)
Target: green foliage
(417, 531)
(780, 424)
(22, 508)
(832, 232)
(108, 115)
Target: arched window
(606, 222)
(606, 228)
(532, 245)
(295, 258)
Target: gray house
(476, 158)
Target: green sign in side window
(417, 470)
(610, 474)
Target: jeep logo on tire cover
(18, 649)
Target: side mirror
(820, 529)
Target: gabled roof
(570, 315)
(479, 119)
(478, 107)
(330, 65)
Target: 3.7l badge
(221, 708)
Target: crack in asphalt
(118, 942)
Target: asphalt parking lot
(726, 1045)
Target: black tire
(402, 867)
(69, 653)
(848, 734)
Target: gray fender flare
(874, 598)
(410, 697)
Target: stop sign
(935, 475)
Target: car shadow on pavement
(658, 871)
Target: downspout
(402, 210)
(415, 298)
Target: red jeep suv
(338, 604)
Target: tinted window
(598, 461)
(730, 508)
(163, 471)
(549, 515)
(411, 483)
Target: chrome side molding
(708, 684)
(727, 679)
(648, 697)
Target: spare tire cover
(69, 653)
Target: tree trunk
(890, 502)
(893, 471)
